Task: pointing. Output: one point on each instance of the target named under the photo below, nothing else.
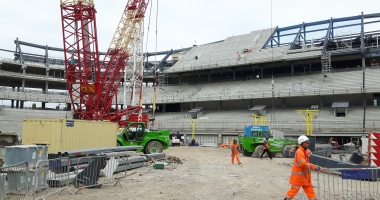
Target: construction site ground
(205, 173)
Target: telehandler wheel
(153, 147)
(259, 150)
(118, 144)
(285, 147)
(246, 153)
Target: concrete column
(21, 104)
(220, 105)
(12, 103)
(261, 73)
(47, 88)
(292, 69)
(283, 103)
(185, 140)
(163, 108)
(17, 101)
(23, 85)
(43, 105)
(13, 88)
(234, 75)
(364, 97)
(220, 139)
(209, 77)
(68, 106)
(250, 104)
(321, 101)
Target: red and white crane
(93, 85)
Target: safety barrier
(348, 183)
(95, 171)
(15, 181)
(52, 176)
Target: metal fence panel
(96, 171)
(14, 181)
(52, 177)
(349, 183)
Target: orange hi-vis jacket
(266, 144)
(235, 148)
(301, 175)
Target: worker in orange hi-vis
(301, 176)
(235, 152)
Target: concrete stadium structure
(282, 68)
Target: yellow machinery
(259, 118)
(193, 122)
(308, 116)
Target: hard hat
(235, 141)
(302, 138)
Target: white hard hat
(302, 138)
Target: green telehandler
(136, 133)
(252, 142)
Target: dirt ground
(206, 173)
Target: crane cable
(155, 76)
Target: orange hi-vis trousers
(233, 155)
(309, 190)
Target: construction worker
(235, 152)
(301, 176)
(266, 149)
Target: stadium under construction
(332, 66)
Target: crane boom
(92, 85)
(125, 43)
(81, 57)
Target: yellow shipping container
(63, 135)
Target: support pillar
(220, 139)
(17, 101)
(321, 101)
(250, 104)
(23, 85)
(185, 139)
(68, 106)
(234, 75)
(292, 69)
(21, 104)
(220, 105)
(163, 108)
(283, 103)
(43, 105)
(47, 88)
(12, 103)
(261, 73)
(209, 77)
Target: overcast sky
(180, 22)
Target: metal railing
(348, 183)
(288, 126)
(16, 181)
(52, 177)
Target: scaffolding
(327, 70)
(162, 79)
